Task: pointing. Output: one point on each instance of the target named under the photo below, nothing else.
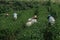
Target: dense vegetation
(16, 30)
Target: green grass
(36, 30)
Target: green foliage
(17, 6)
(16, 30)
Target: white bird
(15, 16)
(51, 20)
(31, 21)
(34, 20)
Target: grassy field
(33, 0)
(15, 30)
